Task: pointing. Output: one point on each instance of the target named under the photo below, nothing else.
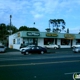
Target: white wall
(65, 46)
(16, 46)
(74, 42)
(10, 40)
(58, 42)
(41, 42)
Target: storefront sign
(18, 34)
(69, 36)
(51, 35)
(33, 34)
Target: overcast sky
(26, 12)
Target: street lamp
(10, 24)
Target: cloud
(23, 11)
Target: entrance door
(35, 41)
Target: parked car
(52, 46)
(2, 48)
(76, 45)
(76, 49)
(34, 49)
(25, 47)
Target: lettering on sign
(69, 36)
(51, 35)
(33, 34)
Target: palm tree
(56, 24)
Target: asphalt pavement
(39, 67)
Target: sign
(69, 36)
(76, 76)
(18, 34)
(33, 34)
(51, 35)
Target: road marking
(71, 73)
(42, 63)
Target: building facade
(64, 40)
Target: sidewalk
(54, 51)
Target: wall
(41, 42)
(74, 42)
(65, 46)
(58, 41)
(16, 46)
(10, 41)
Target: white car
(52, 46)
(78, 45)
(2, 48)
(26, 47)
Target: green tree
(3, 31)
(57, 24)
(33, 29)
(11, 29)
(23, 28)
(3, 34)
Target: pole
(10, 24)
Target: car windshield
(28, 47)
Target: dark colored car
(34, 49)
(76, 49)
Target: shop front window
(31, 41)
(65, 42)
(18, 41)
(78, 41)
(13, 41)
(48, 41)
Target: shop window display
(48, 41)
(65, 42)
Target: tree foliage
(25, 28)
(33, 29)
(57, 24)
(12, 28)
(3, 31)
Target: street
(57, 66)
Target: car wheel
(27, 52)
(42, 52)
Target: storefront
(64, 40)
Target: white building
(65, 40)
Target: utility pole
(10, 24)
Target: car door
(38, 49)
(33, 49)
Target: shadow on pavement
(12, 50)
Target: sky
(26, 12)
